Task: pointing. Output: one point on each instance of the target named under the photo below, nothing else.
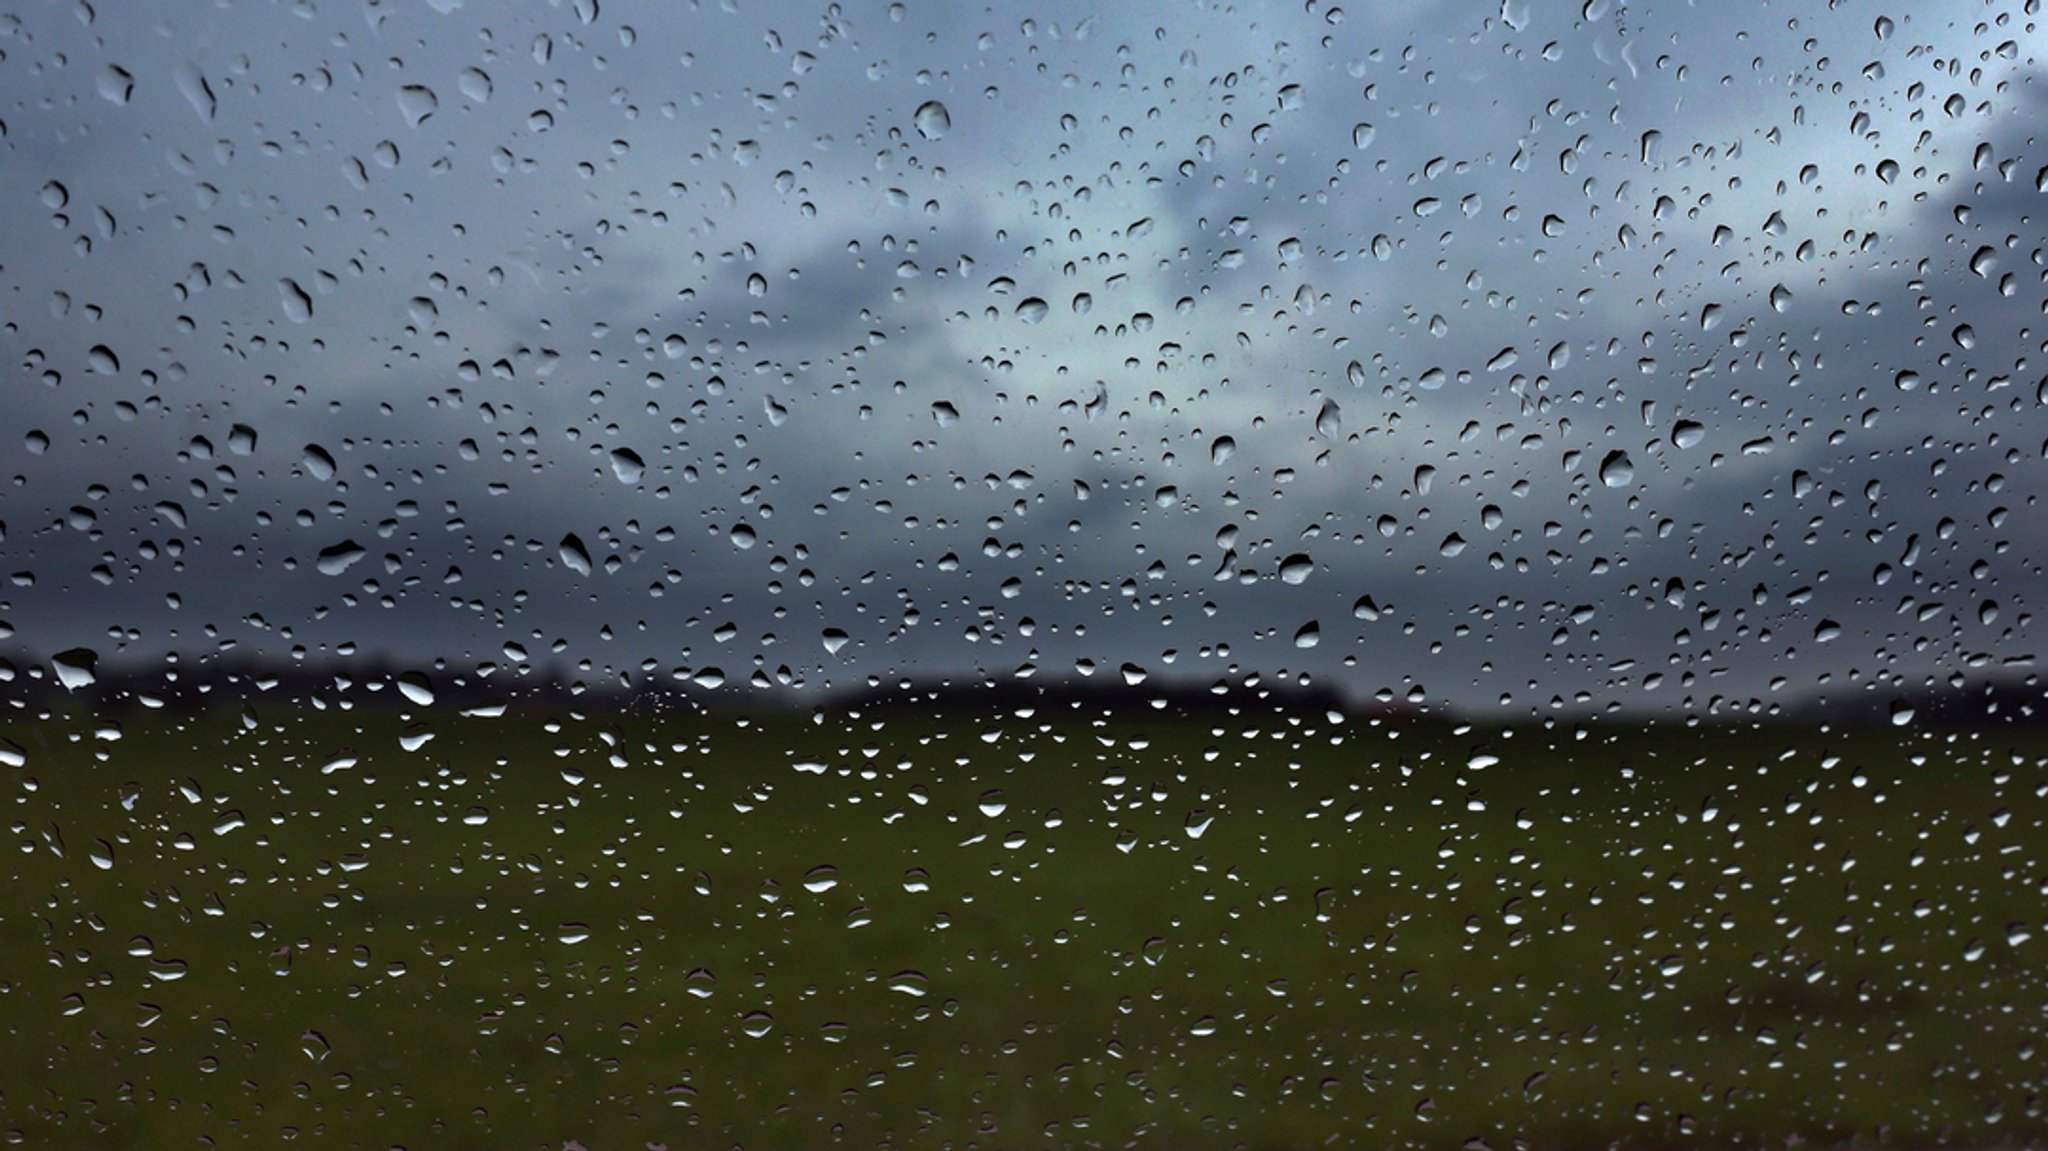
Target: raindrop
(834, 640)
(945, 414)
(1221, 449)
(76, 667)
(1032, 309)
(1616, 470)
(1362, 135)
(932, 120)
(627, 465)
(1308, 635)
(743, 536)
(416, 102)
(1329, 420)
(416, 688)
(821, 878)
(475, 84)
(115, 84)
(317, 462)
(332, 561)
(298, 306)
(1688, 433)
(574, 555)
(1295, 569)
(242, 440)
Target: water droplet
(757, 1024)
(76, 667)
(242, 440)
(1032, 310)
(193, 86)
(1308, 635)
(1205, 1026)
(475, 84)
(1362, 136)
(1329, 420)
(743, 536)
(115, 84)
(574, 555)
(1616, 470)
(416, 102)
(932, 120)
(945, 414)
(821, 878)
(415, 687)
(317, 462)
(315, 1045)
(627, 465)
(298, 306)
(834, 640)
(573, 933)
(334, 560)
(910, 983)
(1295, 569)
(1688, 433)
(993, 803)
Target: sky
(1655, 356)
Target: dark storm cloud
(1434, 300)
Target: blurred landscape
(420, 917)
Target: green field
(1043, 929)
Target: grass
(895, 929)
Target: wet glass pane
(744, 575)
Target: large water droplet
(932, 120)
(416, 102)
(574, 555)
(1616, 470)
(298, 306)
(333, 561)
(76, 667)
